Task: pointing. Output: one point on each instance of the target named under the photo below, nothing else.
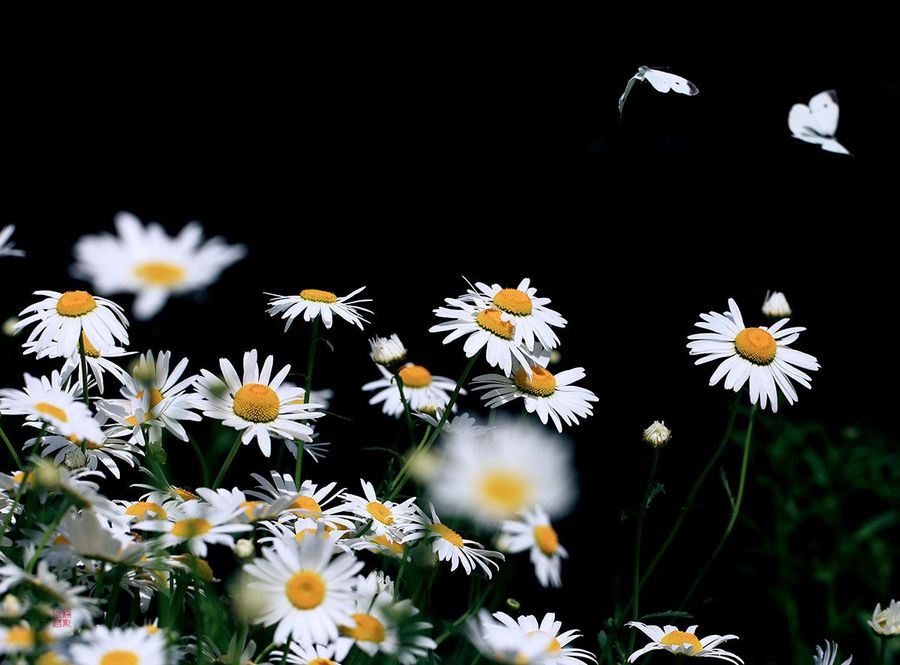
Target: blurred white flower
(886, 621)
(776, 305)
(148, 262)
(534, 533)
(829, 655)
(7, 248)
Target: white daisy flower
(829, 655)
(46, 401)
(682, 643)
(657, 434)
(381, 625)
(84, 493)
(886, 621)
(533, 320)
(313, 654)
(151, 264)
(387, 518)
(383, 545)
(61, 318)
(493, 476)
(535, 534)
(775, 305)
(525, 640)
(7, 248)
(235, 502)
(97, 362)
(197, 525)
(313, 502)
(159, 394)
(313, 302)
(549, 395)
(423, 391)
(95, 537)
(306, 590)
(387, 351)
(304, 527)
(108, 451)
(485, 328)
(448, 545)
(763, 355)
(18, 638)
(258, 404)
(134, 646)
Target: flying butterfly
(661, 82)
(817, 123)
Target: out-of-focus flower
(533, 532)
(776, 305)
(886, 621)
(7, 248)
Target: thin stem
(12, 451)
(228, 460)
(287, 645)
(734, 512)
(261, 658)
(638, 536)
(689, 501)
(882, 658)
(428, 441)
(114, 596)
(84, 377)
(201, 458)
(51, 529)
(409, 420)
(310, 366)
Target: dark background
(406, 168)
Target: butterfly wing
(833, 146)
(804, 125)
(824, 108)
(664, 82)
(628, 87)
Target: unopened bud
(75, 459)
(657, 434)
(244, 549)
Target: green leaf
(678, 614)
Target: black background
(406, 167)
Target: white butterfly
(661, 81)
(817, 122)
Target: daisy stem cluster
(735, 511)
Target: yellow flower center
(756, 345)
(184, 494)
(380, 512)
(89, 349)
(504, 490)
(489, 319)
(678, 637)
(541, 384)
(196, 564)
(50, 658)
(321, 661)
(306, 503)
(367, 629)
(513, 301)
(160, 273)
(90, 445)
(305, 590)
(61, 540)
(448, 534)
(554, 645)
(75, 303)
(191, 527)
(315, 295)
(120, 657)
(150, 628)
(415, 376)
(141, 508)
(249, 508)
(52, 411)
(155, 397)
(21, 637)
(389, 544)
(132, 420)
(546, 539)
(257, 403)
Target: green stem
(735, 512)
(689, 501)
(51, 529)
(228, 460)
(882, 658)
(200, 457)
(310, 366)
(12, 451)
(638, 536)
(114, 596)
(409, 420)
(428, 441)
(298, 464)
(84, 370)
(261, 658)
(287, 645)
